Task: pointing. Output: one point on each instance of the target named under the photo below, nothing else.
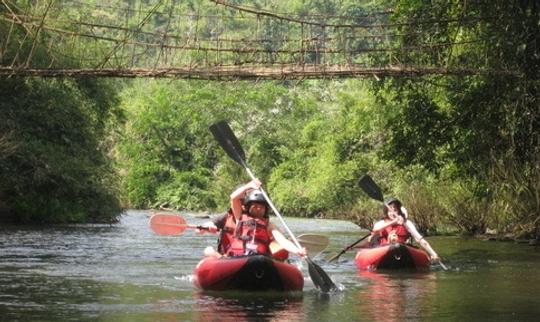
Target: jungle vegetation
(461, 151)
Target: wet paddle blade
(167, 224)
(313, 243)
(225, 136)
(371, 188)
(319, 277)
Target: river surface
(124, 272)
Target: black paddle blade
(225, 136)
(319, 277)
(371, 188)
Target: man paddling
(246, 228)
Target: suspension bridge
(223, 41)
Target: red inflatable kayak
(392, 256)
(250, 273)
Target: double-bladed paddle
(372, 189)
(170, 225)
(167, 224)
(228, 141)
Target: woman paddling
(395, 228)
(246, 228)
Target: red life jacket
(250, 237)
(400, 230)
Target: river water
(124, 272)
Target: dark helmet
(254, 196)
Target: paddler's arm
(238, 194)
(208, 227)
(214, 225)
(382, 224)
(420, 240)
(287, 244)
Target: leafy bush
(56, 132)
(186, 190)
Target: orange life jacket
(400, 230)
(250, 237)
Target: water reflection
(397, 296)
(238, 307)
(126, 273)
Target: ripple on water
(125, 272)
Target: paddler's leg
(277, 251)
(210, 251)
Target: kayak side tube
(392, 256)
(250, 273)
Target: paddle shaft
(442, 265)
(273, 207)
(186, 226)
(348, 248)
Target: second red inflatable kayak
(392, 256)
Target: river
(124, 272)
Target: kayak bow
(249, 273)
(392, 256)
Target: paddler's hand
(287, 244)
(208, 227)
(435, 258)
(302, 252)
(398, 220)
(254, 184)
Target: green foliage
(417, 129)
(167, 137)
(187, 190)
(460, 129)
(516, 199)
(320, 170)
(54, 136)
(57, 169)
(460, 151)
(465, 208)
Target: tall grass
(516, 190)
